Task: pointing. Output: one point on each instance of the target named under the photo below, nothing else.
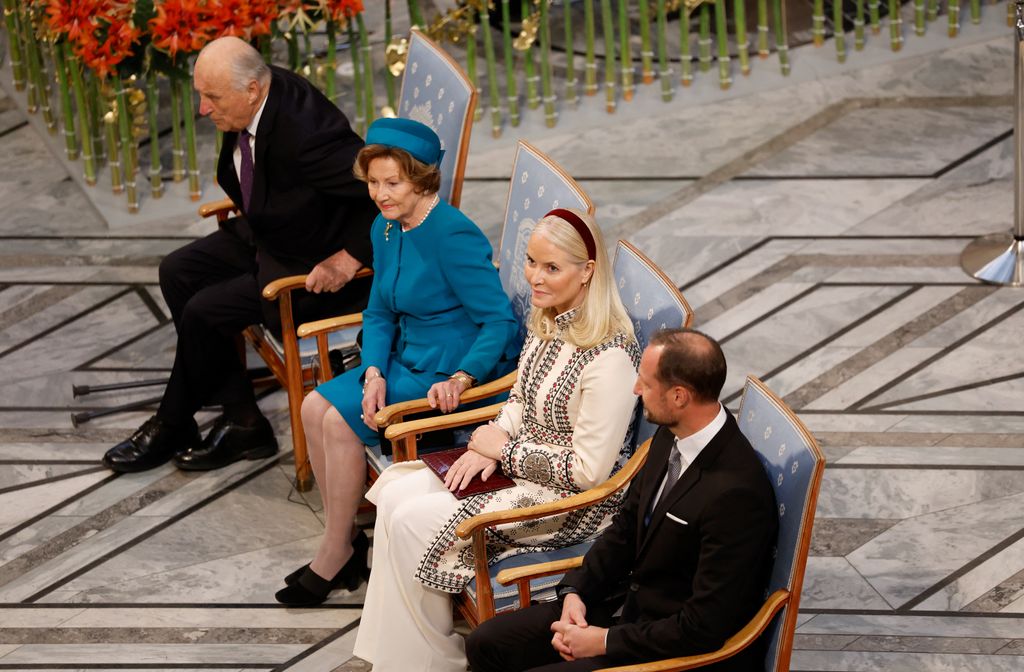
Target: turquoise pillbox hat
(412, 136)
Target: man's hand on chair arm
(333, 273)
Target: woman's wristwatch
(467, 380)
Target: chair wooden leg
(293, 373)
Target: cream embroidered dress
(567, 418)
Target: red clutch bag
(442, 461)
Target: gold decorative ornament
(395, 55)
(525, 39)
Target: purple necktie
(247, 168)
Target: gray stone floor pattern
(815, 225)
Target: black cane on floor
(998, 258)
(83, 390)
(85, 416)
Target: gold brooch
(387, 230)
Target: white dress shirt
(689, 447)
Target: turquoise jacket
(437, 305)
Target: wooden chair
(795, 465)
(537, 186)
(435, 91)
(653, 302)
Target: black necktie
(247, 169)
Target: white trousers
(405, 625)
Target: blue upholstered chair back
(795, 464)
(652, 301)
(538, 185)
(436, 92)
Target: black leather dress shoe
(151, 445)
(228, 442)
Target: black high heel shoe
(308, 589)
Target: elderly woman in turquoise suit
(437, 322)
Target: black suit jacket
(305, 205)
(685, 587)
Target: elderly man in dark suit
(684, 564)
(286, 162)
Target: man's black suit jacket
(305, 205)
(697, 573)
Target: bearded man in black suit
(286, 162)
(684, 564)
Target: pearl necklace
(433, 202)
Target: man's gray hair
(249, 66)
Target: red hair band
(581, 228)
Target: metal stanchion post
(998, 258)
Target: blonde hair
(601, 315)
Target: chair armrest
(511, 575)
(395, 412)
(401, 430)
(216, 207)
(594, 495)
(291, 282)
(286, 284)
(741, 640)
(325, 326)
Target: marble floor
(815, 224)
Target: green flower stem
(415, 15)
(110, 123)
(532, 79)
(895, 25)
(124, 125)
(590, 63)
(97, 110)
(781, 39)
(742, 39)
(492, 72)
(919, 13)
(932, 13)
(156, 186)
(331, 66)
(550, 116)
(292, 40)
(837, 30)
(14, 40)
(571, 94)
(685, 54)
(194, 189)
(762, 29)
(177, 147)
(873, 15)
(704, 39)
(975, 11)
(389, 79)
(722, 35)
(646, 52)
(608, 27)
(511, 86)
(364, 44)
(954, 17)
(67, 112)
(88, 154)
(858, 26)
(818, 23)
(1011, 13)
(625, 51)
(357, 79)
(663, 71)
